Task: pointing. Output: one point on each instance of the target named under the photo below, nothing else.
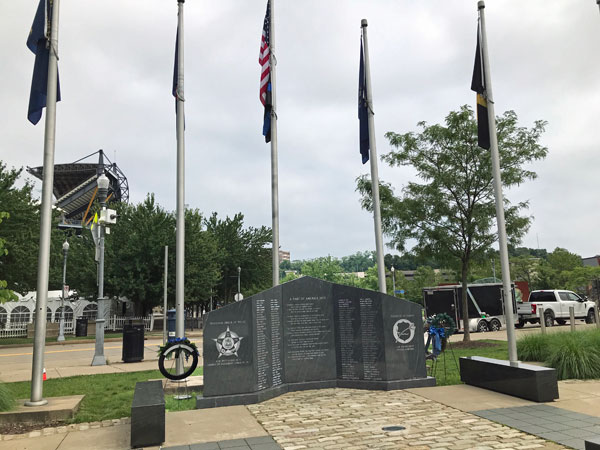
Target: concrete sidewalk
(433, 418)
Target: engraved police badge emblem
(228, 343)
(404, 331)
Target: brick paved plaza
(351, 419)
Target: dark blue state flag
(176, 68)
(39, 43)
(363, 111)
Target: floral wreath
(444, 322)
(173, 342)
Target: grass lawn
(107, 396)
(450, 374)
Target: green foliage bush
(533, 347)
(7, 398)
(573, 355)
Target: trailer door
(440, 301)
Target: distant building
(592, 261)
(284, 256)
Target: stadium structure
(75, 187)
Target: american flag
(263, 57)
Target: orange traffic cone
(44, 376)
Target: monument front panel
(308, 331)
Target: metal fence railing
(13, 330)
(113, 323)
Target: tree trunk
(465, 305)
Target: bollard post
(572, 317)
(542, 322)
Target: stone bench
(592, 443)
(148, 414)
(527, 381)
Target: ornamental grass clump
(7, 399)
(574, 357)
(533, 347)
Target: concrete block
(148, 414)
(592, 444)
(527, 381)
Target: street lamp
(393, 280)
(61, 326)
(99, 359)
(239, 296)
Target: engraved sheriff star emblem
(228, 343)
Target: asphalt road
(75, 359)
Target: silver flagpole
(373, 161)
(39, 341)
(274, 171)
(504, 264)
(180, 235)
(165, 295)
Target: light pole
(61, 326)
(99, 359)
(239, 296)
(393, 280)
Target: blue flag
(267, 117)
(38, 43)
(363, 111)
(176, 67)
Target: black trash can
(81, 326)
(171, 325)
(133, 342)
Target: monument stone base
(267, 394)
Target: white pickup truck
(556, 304)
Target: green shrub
(573, 355)
(533, 347)
(7, 399)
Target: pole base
(99, 360)
(60, 339)
(41, 402)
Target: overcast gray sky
(116, 66)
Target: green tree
(244, 248)
(134, 253)
(451, 212)
(5, 293)
(424, 277)
(555, 271)
(563, 260)
(525, 268)
(21, 231)
(358, 262)
(202, 271)
(325, 268)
